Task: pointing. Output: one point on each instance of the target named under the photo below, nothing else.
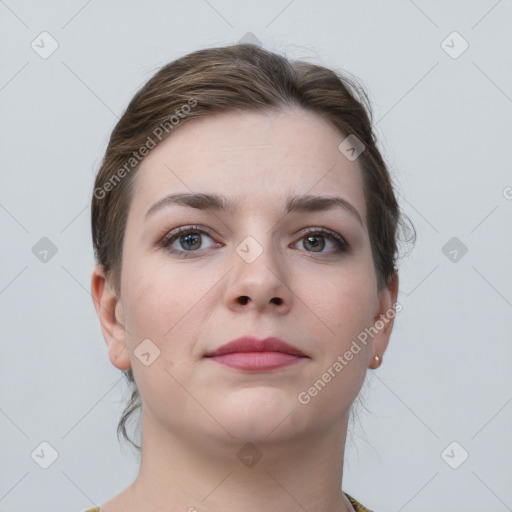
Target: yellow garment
(357, 506)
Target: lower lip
(257, 361)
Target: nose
(259, 285)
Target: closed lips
(253, 344)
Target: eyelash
(340, 243)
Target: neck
(194, 474)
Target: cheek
(346, 310)
(157, 299)
(160, 309)
(171, 309)
(341, 302)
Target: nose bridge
(257, 243)
(259, 278)
(256, 256)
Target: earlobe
(375, 362)
(383, 321)
(112, 319)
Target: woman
(245, 232)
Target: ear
(111, 315)
(384, 320)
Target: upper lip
(253, 344)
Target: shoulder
(357, 506)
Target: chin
(252, 414)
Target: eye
(186, 239)
(315, 240)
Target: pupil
(190, 240)
(315, 244)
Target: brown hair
(239, 77)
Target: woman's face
(252, 269)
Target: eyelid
(322, 230)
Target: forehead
(251, 156)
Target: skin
(196, 413)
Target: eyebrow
(216, 202)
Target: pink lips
(252, 354)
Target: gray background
(444, 125)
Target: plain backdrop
(435, 434)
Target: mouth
(252, 354)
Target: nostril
(244, 299)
